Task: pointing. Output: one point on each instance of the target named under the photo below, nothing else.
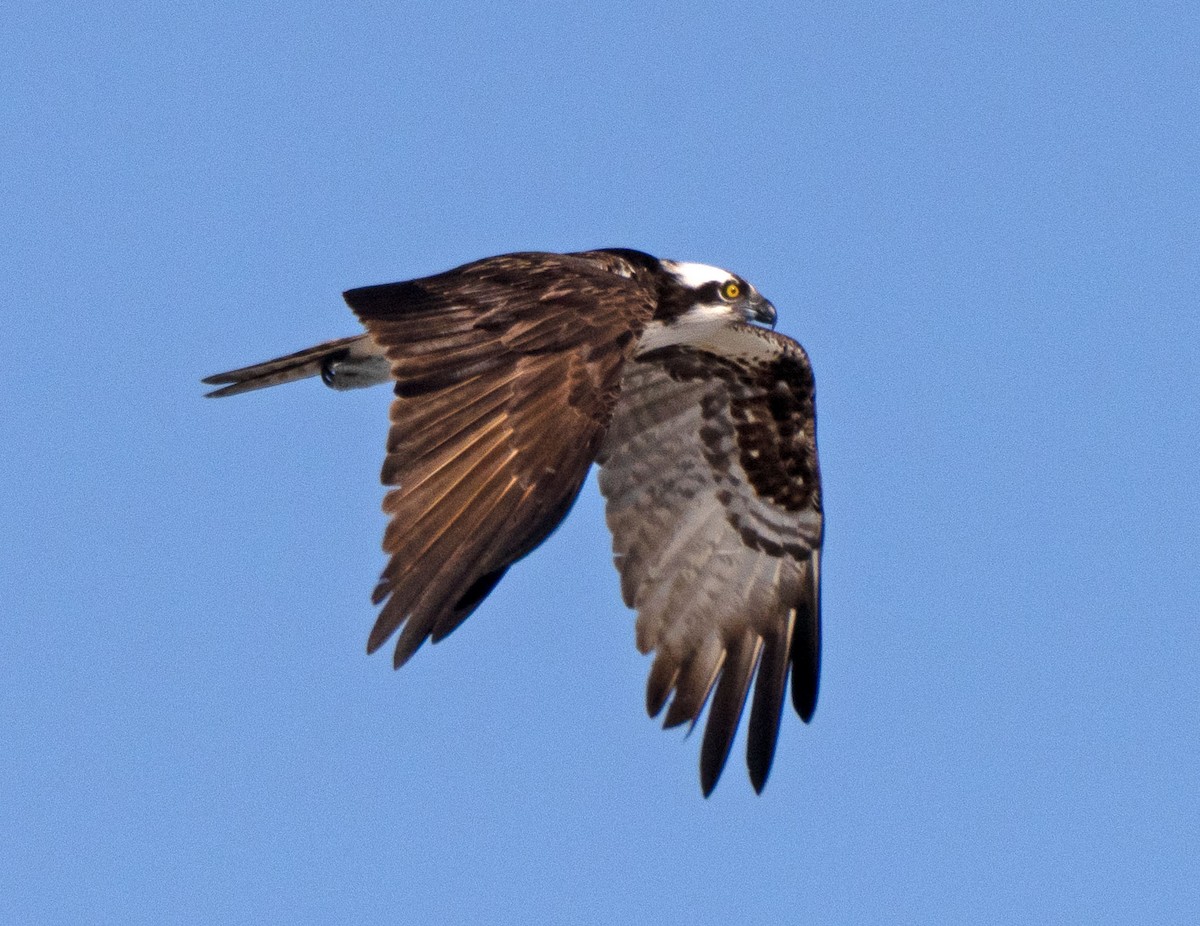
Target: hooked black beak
(761, 311)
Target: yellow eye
(731, 290)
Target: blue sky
(981, 221)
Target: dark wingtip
(677, 714)
(405, 649)
(466, 604)
(728, 702)
(412, 637)
(804, 692)
(383, 629)
(714, 754)
(760, 751)
(663, 674)
(766, 710)
(806, 655)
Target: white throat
(695, 326)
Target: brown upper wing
(714, 501)
(506, 375)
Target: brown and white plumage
(513, 375)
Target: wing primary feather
(420, 484)
(726, 710)
(411, 471)
(445, 583)
(404, 570)
(453, 398)
(696, 680)
(663, 674)
(766, 709)
(471, 599)
(438, 422)
(806, 645)
(463, 506)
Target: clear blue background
(982, 220)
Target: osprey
(513, 375)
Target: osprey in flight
(513, 375)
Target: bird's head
(714, 295)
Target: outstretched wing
(506, 375)
(710, 473)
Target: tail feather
(300, 365)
